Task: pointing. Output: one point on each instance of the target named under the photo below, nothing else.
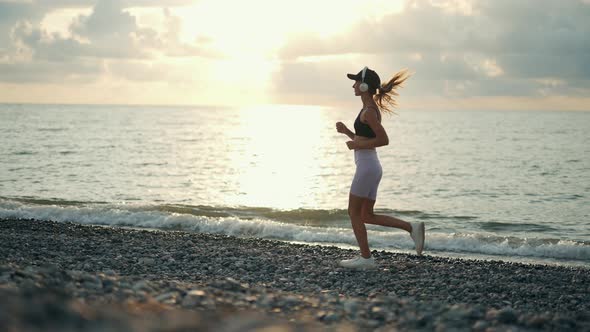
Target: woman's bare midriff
(362, 138)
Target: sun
(261, 27)
(248, 35)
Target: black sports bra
(363, 129)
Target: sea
(492, 185)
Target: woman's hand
(341, 128)
(351, 145)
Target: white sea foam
(146, 217)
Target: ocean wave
(314, 217)
(503, 226)
(24, 153)
(269, 223)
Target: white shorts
(368, 174)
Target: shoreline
(219, 276)
(469, 256)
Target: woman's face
(355, 86)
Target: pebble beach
(62, 276)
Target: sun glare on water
(280, 162)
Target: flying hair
(385, 98)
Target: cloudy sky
(464, 54)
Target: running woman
(369, 134)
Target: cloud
(459, 48)
(108, 20)
(148, 71)
(311, 83)
(47, 72)
(89, 3)
(499, 26)
(113, 32)
(455, 48)
(109, 32)
(11, 13)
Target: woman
(370, 134)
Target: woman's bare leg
(355, 205)
(367, 216)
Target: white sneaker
(417, 234)
(359, 263)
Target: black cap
(371, 78)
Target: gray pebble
(148, 261)
(507, 316)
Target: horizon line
(282, 105)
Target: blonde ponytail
(385, 97)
